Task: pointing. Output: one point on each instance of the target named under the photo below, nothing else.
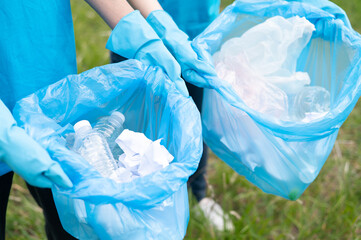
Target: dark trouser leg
(5, 186)
(197, 181)
(115, 58)
(53, 228)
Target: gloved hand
(194, 70)
(134, 38)
(26, 157)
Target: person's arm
(111, 10)
(145, 6)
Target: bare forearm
(111, 10)
(145, 6)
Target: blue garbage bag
(329, 7)
(151, 207)
(280, 157)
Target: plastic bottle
(311, 101)
(111, 127)
(93, 147)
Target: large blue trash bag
(278, 156)
(151, 207)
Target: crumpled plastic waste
(261, 67)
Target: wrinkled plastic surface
(152, 207)
(191, 16)
(281, 157)
(271, 47)
(261, 64)
(329, 7)
(35, 39)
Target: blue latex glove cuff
(194, 69)
(134, 38)
(130, 34)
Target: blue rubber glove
(134, 38)
(194, 69)
(26, 157)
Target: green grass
(329, 209)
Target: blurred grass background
(329, 209)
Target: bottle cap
(119, 116)
(81, 124)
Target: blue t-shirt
(37, 48)
(192, 16)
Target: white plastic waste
(261, 67)
(215, 215)
(311, 103)
(253, 90)
(93, 147)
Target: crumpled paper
(141, 156)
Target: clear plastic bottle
(93, 147)
(111, 127)
(311, 101)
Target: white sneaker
(214, 213)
